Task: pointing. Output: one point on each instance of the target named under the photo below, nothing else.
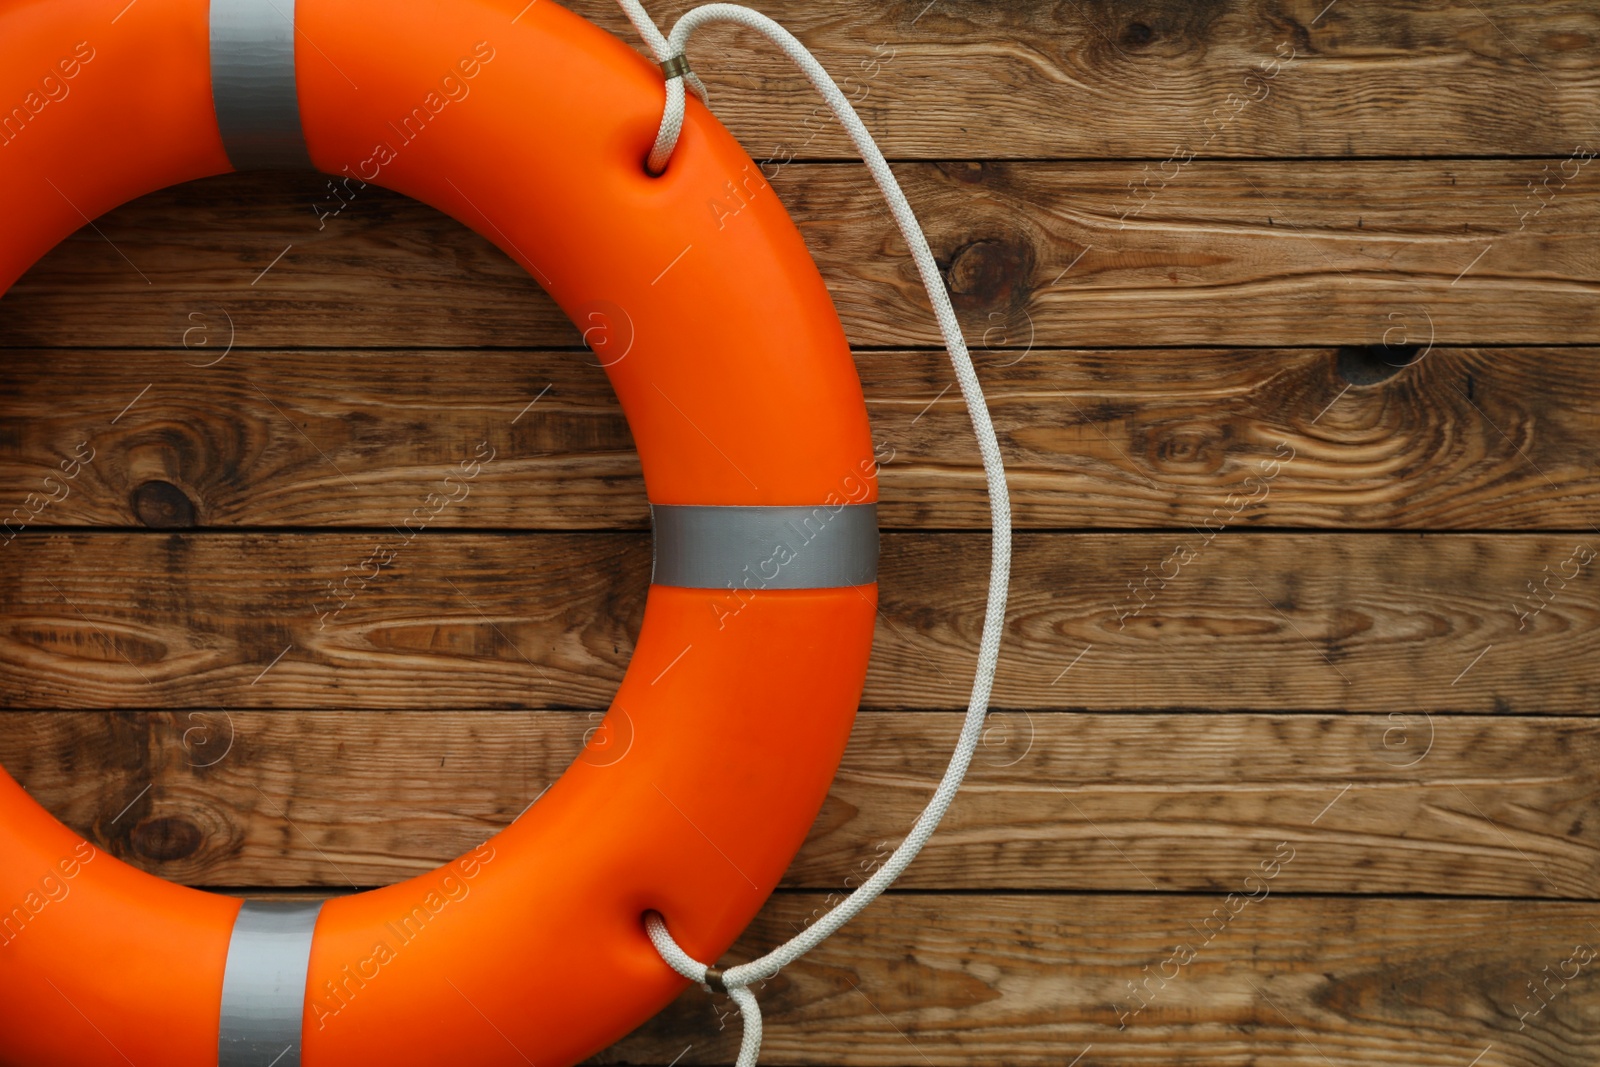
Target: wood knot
(967, 172)
(1137, 35)
(1371, 364)
(990, 273)
(1188, 447)
(167, 840)
(163, 506)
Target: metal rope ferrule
(675, 67)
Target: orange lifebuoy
(530, 125)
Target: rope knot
(715, 979)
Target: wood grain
(1402, 803)
(945, 979)
(1103, 79)
(1227, 268)
(1216, 253)
(1460, 439)
(1259, 977)
(1249, 621)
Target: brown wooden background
(1320, 276)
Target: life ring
(530, 125)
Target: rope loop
(669, 51)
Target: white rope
(646, 26)
(736, 979)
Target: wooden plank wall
(1285, 309)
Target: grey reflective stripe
(264, 987)
(820, 547)
(253, 84)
